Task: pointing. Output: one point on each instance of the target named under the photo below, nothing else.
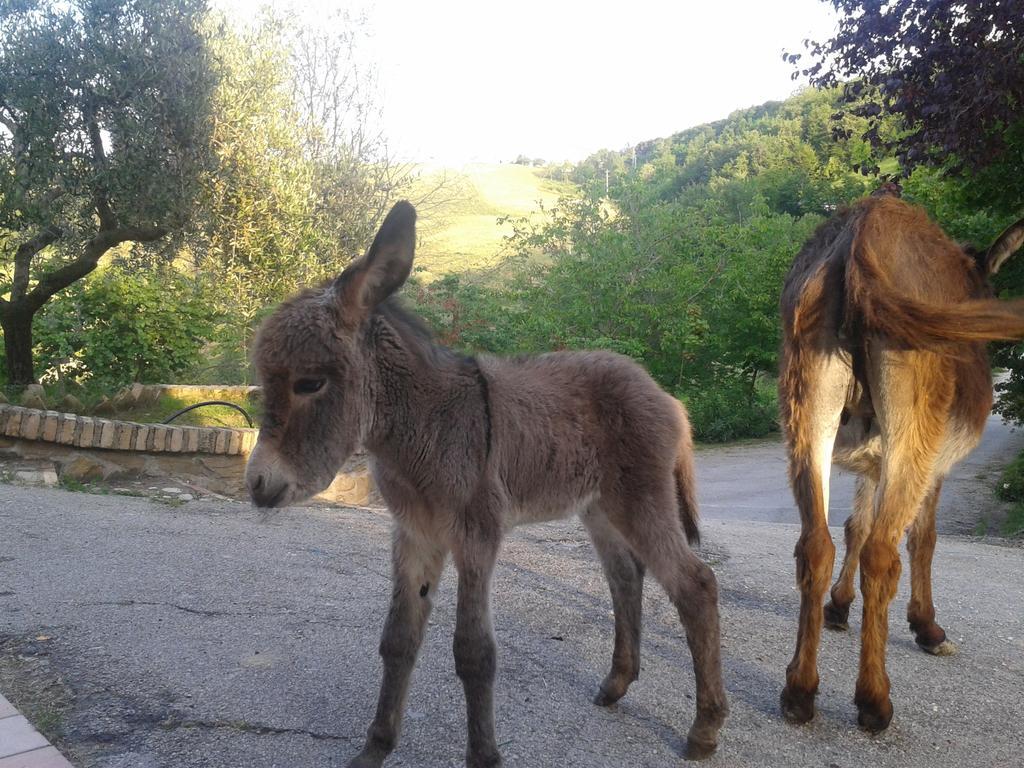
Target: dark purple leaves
(951, 73)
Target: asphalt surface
(748, 481)
(205, 635)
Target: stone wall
(90, 448)
(110, 434)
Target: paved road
(747, 481)
(202, 636)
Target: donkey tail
(685, 483)
(876, 302)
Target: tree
(302, 175)
(104, 108)
(340, 129)
(951, 73)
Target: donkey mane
(421, 341)
(419, 338)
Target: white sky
(472, 80)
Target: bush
(117, 327)
(465, 315)
(719, 414)
(1011, 488)
(1011, 484)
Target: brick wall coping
(112, 434)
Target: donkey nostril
(258, 483)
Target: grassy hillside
(459, 217)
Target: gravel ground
(203, 635)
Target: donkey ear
(1007, 244)
(368, 281)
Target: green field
(460, 209)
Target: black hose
(226, 404)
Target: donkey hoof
(373, 754)
(797, 705)
(614, 686)
(699, 750)
(484, 761)
(367, 760)
(837, 617)
(945, 648)
(606, 698)
(874, 717)
(932, 639)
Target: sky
(465, 81)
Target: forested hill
(785, 151)
(673, 252)
(803, 160)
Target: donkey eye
(308, 386)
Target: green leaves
(117, 327)
(104, 121)
(106, 107)
(297, 189)
(950, 75)
(679, 265)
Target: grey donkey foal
(464, 449)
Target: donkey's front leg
(474, 646)
(416, 567)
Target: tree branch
(100, 197)
(61, 278)
(23, 259)
(7, 117)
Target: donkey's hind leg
(857, 528)
(625, 574)
(921, 610)
(416, 567)
(655, 533)
(912, 414)
(813, 391)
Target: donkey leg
(857, 528)
(655, 533)
(695, 595)
(474, 646)
(913, 402)
(880, 573)
(811, 425)
(416, 568)
(921, 610)
(625, 574)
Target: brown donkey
(884, 371)
(464, 449)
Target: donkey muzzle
(268, 485)
(265, 493)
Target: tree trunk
(17, 327)
(17, 313)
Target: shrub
(117, 327)
(721, 413)
(1011, 488)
